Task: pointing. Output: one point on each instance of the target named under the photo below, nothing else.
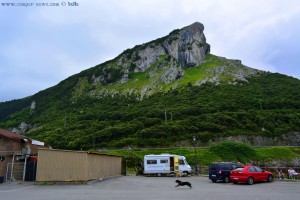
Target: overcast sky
(43, 45)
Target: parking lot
(144, 188)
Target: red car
(250, 174)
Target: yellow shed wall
(61, 165)
(56, 165)
(102, 166)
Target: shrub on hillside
(233, 151)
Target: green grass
(82, 85)
(205, 156)
(276, 153)
(195, 74)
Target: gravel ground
(144, 188)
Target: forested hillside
(267, 105)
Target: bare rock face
(171, 75)
(188, 46)
(185, 47)
(148, 56)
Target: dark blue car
(220, 171)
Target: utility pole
(65, 121)
(166, 116)
(260, 105)
(196, 166)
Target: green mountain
(161, 94)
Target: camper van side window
(163, 161)
(151, 162)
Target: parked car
(221, 171)
(250, 174)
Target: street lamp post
(196, 167)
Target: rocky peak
(187, 45)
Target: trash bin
(1, 179)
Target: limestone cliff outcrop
(164, 64)
(187, 47)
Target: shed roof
(10, 135)
(21, 138)
(76, 151)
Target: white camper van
(166, 164)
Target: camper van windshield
(181, 162)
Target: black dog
(180, 183)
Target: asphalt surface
(144, 188)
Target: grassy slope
(140, 80)
(204, 156)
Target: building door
(30, 174)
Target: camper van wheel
(159, 174)
(184, 173)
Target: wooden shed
(64, 165)
(16, 156)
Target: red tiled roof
(10, 135)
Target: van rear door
(213, 171)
